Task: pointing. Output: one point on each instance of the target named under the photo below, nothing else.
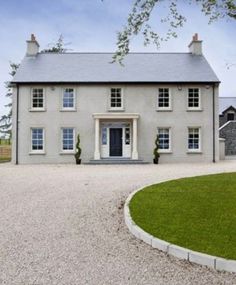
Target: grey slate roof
(97, 67)
(226, 102)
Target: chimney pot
(195, 47)
(195, 37)
(32, 46)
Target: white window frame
(33, 151)
(199, 108)
(68, 151)
(169, 150)
(169, 108)
(199, 150)
(122, 100)
(37, 109)
(74, 99)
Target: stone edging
(214, 262)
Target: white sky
(91, 25)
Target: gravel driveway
(63, 224)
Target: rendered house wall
(141, 99)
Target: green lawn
(198, 213)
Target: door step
(117, 161)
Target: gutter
(213, 125)
(114, 82)
(17, 123)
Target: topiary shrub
(78, 151)
(156, 151)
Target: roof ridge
(113, 53)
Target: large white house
(117, 110)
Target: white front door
(115, 140)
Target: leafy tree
(138, 21)
(6, 120)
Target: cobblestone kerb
(214, 262)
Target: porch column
(135, 139)
(97, 150)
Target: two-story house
(117, 110)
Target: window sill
(67, 152)
(116, 110)
(68, 110)
(37, 110)
(165, 151)
(194, 110)
(194, 152)
(164, 110)
(37, 153)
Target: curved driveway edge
(214, 262)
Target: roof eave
(115, 82)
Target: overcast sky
(91, 25)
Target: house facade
(117, 110)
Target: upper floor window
(37, 139)
(68, 139)
(194, 139)
(38, 99)
(68, 99)
(164, 139)
(116, 98)
(230, 117)
(194, 98)
(164, 101)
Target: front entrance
(116, 135)
(115, 141)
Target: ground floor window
(37, 139)
(104, 136)
(193, 139)
(164, 139)
(67, 139)
(127, 136)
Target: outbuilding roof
(97, 68)
(226, 102)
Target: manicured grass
(198, 213)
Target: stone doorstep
(177, 251)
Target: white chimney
(195, 47)
(32, 46)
